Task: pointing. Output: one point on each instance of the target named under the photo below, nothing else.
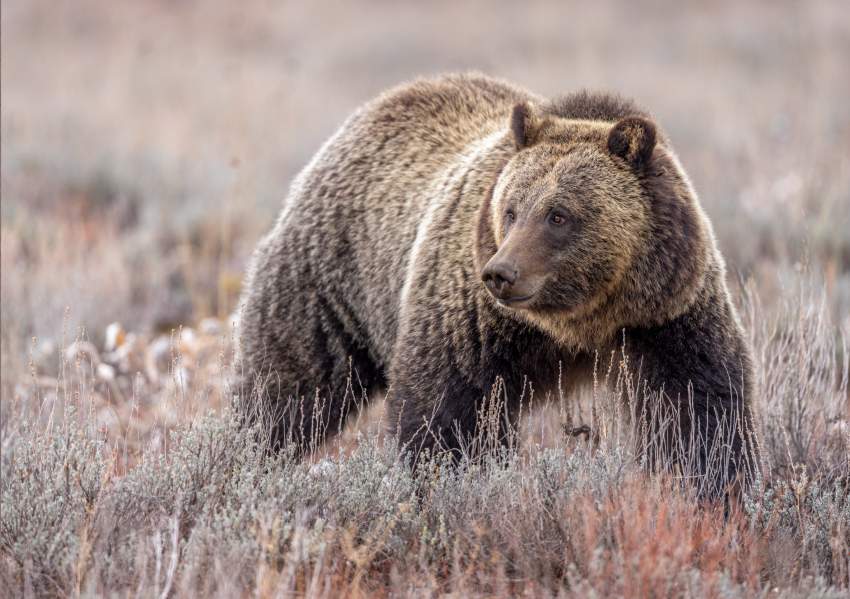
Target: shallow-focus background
(147, 145)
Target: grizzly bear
(460, 231)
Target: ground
(146, 147)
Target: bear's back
(354, 212)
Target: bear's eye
(510, 217)
(557, 219)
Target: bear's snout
(502, 280)
(499, 277)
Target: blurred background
(147, 145)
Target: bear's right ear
(633, 139)
(525, 125)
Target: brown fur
(375, 265)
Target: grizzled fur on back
(587, 106)
(461, 231)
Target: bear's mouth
(515, 302)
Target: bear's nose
(499, 277)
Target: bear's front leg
(434, 412)
(699, 417)
(451, 390)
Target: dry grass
(176, 498)
(145, 147)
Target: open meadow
(147, 146)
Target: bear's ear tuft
(633, 139)
(525, 125)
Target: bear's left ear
(525, 125)
(633, 139)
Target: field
(146, 146)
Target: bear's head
(590, 227)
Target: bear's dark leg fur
(428, 426)
(466, 420)
(699, 369)
(307, 369)
(461, 390)
(317, 407)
